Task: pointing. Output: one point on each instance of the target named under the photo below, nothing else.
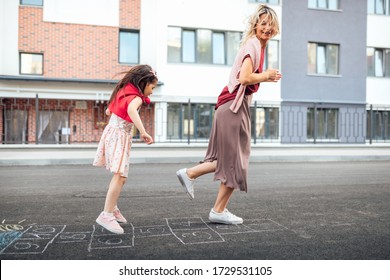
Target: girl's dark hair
(139, 76)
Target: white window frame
(380, 62)
(120, 50)
(372, 7)
(194, 47)
(315, 4)
(30, 3)
(27, 63)
(327, 59)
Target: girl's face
(149, 88)
(264, 28)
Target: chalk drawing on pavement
(193, 231)
(17, 239)
(34, 240)
(103, 239)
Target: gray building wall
(346, 91)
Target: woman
(230, 138)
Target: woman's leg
(113, 193)
(219, 213)
(223, 198)
(201, 169)
(187, 176)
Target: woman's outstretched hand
(273, 75)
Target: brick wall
(76, 50)
(130, 13)
(86, 124)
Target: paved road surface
(312, 210)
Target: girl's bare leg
(201, 169)
(223, 198)
(113, 193)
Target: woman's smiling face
(264, 28)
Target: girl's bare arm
(132, 110)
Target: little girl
(113, 151)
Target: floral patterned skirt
(114, 147)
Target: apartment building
(324, 89)
(378, 70)
(59, 61)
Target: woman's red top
(226, 96)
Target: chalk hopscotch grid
(152, 231)
(250, 226)
(105, 239)
(188, 230)
(73, 237)
(24, 241)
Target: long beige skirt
(230, 145)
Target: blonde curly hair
(254, 19)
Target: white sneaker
(224, 218)
(187, 183)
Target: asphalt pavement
(296, 210)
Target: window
(232, 44)
(174, 44)
(322, 123)
(202, 46)
(219, 48)
(265, 123)
(378, 7)
(378, 125)
(378, 62)
(324, 4)
(31, 63)
(323, 59)
(15, 125)
(188, 46)
(174, 116)
(194, 124)
(275, 2)
(32, 2)
(272, 56)
(129, 47)
(50, 127)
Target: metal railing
(53, 121)
(378, 124)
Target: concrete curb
(19, 155)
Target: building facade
(59, 64)
(324, 87)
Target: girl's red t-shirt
(122, 100)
